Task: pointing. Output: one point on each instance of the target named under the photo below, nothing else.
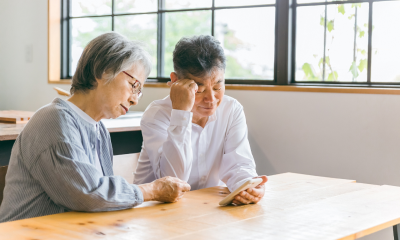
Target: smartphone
(248, 184)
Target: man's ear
(174, 77)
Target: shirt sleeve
(169, 147)
(66, 175)
(237, 163)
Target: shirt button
(185, 119)
(92, 145)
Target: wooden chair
(3, 171)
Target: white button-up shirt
(204, 157)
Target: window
(266, 42)
(250, 51)
(346, 42)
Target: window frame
(285, 53)
(369, 83)
(161, 11)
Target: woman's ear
(173, 77)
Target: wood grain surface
(295, 207)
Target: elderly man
(197, 134)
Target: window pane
(135, 6)
(223, 3)
(309, 43)
(90, 7)
(83, 30)
(249, 51)
(183, 24)
(187, 4)
(346, 48)
(141, 28)
(385, 42)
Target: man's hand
(166, 189)
(251, 195)
(183, 94)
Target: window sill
(323, 89)
(61, 81)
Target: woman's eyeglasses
(136, 87)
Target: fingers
(176, 191)
(185, 187)
(188, 83)
(254, 196)
(264, 178)
(181, 188)
(242, 200)
(245, 197)
(193, 86)
(256, 192)
(183, 94)
(236, 202)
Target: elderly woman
(62, 160)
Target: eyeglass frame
(138, 89)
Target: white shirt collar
(82, 114)
(213, 117)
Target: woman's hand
(166, 189)
(251, 195)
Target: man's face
(211, 90)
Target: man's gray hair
(105, 57)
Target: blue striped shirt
(52, 168)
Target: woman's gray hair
(105, 57)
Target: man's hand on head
(251, 195)
(183, 94)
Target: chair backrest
(3, 171)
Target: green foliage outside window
(355, 67)
(176, 25)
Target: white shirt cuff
(180, 118)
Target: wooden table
(126, 135)
(298, 207)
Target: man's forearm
(177, 157)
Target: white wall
(353, 136)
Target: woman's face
(117, 96)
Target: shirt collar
(81, 113)
(213, 117)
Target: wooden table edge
(371, 230)
(8, 137)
